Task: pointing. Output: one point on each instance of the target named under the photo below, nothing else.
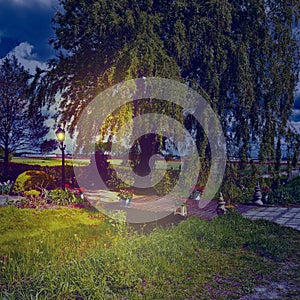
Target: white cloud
(296, 125)
(296, 115)
(25, 55)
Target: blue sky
(25, 30)
(27, 21)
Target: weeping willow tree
(242, 55)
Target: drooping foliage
(243, 56)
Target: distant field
(50, 162)
(82, 162)
(118, 163)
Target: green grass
(73, 254)
(33, 238)
(49, 162)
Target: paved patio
(283, 216)
(157, 209)
(150, 208)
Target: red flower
(67, 185)
(266, 189)
(81, 189)
(125, 194)
(199, 188)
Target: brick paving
(149, 207)
(202, 209)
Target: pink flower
(143, 283)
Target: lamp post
(60, 135)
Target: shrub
(34, 193)
(55, 173)
(31, 180)
(167, 183)
(286, 194)
(31, 201)
(61, 197)
(246, 194)
(36, 199)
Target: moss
(31, 179)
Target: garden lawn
(49, 162)
(82, 256)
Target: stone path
(4, 198)
(283, 216)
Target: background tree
(242, 55)
(21, 121)
(48, 146)
(2, 154)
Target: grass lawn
(49, 162)
(75, 254)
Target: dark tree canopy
(48, 145)
(21, 121)
(243, 55)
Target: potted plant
(198, 192)
(125, 196)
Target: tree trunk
(149, 146)
(5, 163)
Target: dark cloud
(28, 21)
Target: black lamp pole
(60, 134)
(63, 178)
